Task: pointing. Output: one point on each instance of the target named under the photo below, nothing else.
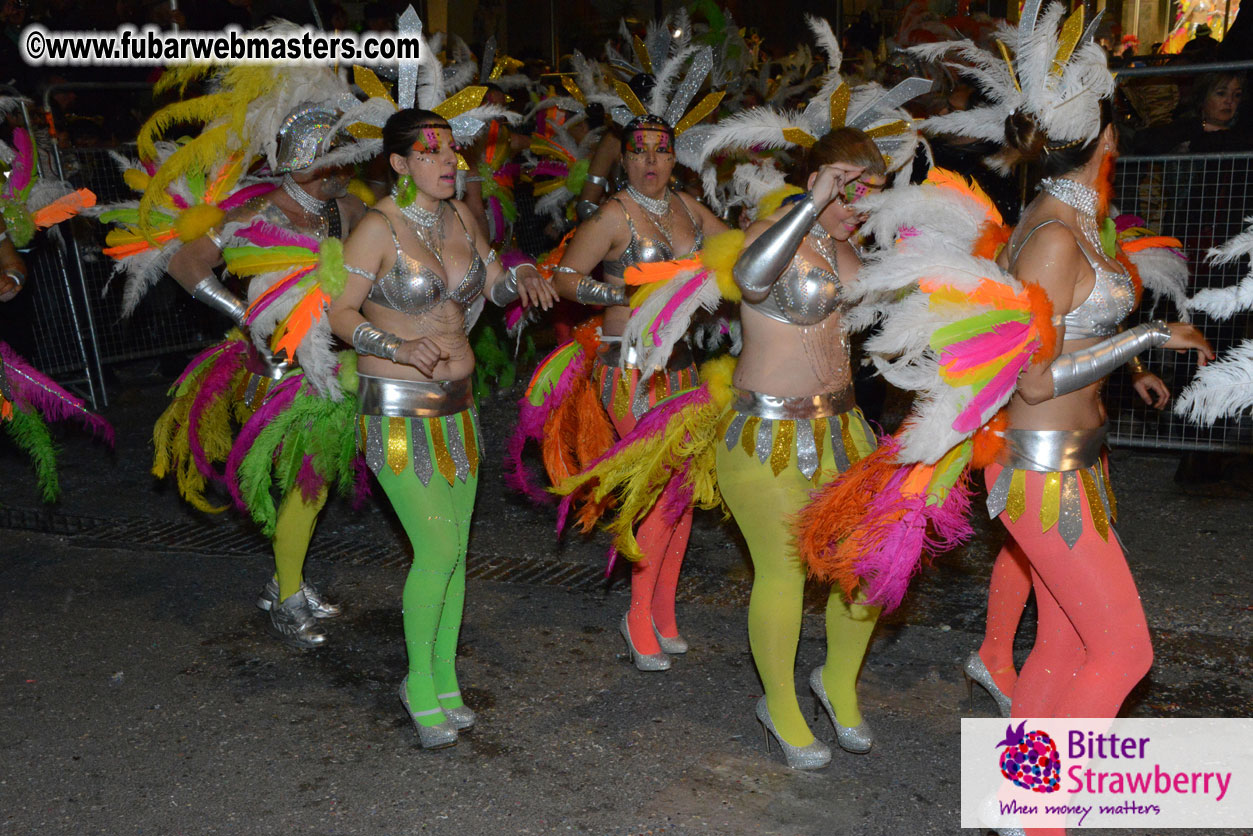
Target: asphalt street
(141, 694)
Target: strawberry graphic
(1030, 759)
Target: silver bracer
(367, 339)
(1077, 369)
(211, 292)
(506, 289)
(591, 292)
(597, 180)
(584, 209)
(764, 260)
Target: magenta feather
(991, 395)
(983, 348)
(35, 389)
(265, 234)
(652, 424)
(309, 480)
(361, 491)
(178, 201)
(551, 168)
(514, 257)
(273, 296)
(685, 292)
(241, 196)
(215, 383)
(279, 398)
(498, 218)
(23, 167)
(531, 421)
(200, 359)
(899, 531)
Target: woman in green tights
(792, 426)
(417, 263)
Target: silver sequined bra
(412, 288)
(644, 250)
(1112, 299)
(804, 294)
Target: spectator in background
(1211, 123)
(1202, 46)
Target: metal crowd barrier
(1201, 199)
(167, 320)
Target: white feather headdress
(869, 108)
(1049, 69)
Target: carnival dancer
(1155, 263)
(646, 223)
(761, 447)
(28, 398)
(417, 263)
(975, 338)
(199, 210)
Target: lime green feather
(30, 434)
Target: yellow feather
(136, 179)
(772, 201)
(361, 191)
(719, 254)
(197, 220)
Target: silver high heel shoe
(292, 622)
(644, 662)
(431, 737)
(462, 717)
(976, 671)
(814, 756)
(674, 646)
(857, 739)
(318, 606)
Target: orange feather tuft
(585, 334)
(1042, 319)
(1137, 244)
(1136, 281)
(298, 323)
(658, 271)
(989, 440)
(64, 208)
(992, 238)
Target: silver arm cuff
(367, 339)
(1086, 366)
(357, 271)
(216, 237)
(211, 292)
(505, 290)
(591, 292)
(584, 209)
(764, 260)
(597, 180)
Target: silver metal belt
(812, 406)
(611, 354)
(413, 398)
(1052, 450)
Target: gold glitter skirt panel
(447, 444)
(622, 391)
(431, 426)
(1062, 496)
(830, 443)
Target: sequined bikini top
(644, 250)
(412, 288)
(804, 294)
(1112, 299)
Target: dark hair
(648, 121)
(1205, 85)
(842, 145)
(595, 115)
(642, 85)
(1027, 140)
(403, 127)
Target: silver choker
(653, 206)
(306, 201)
(1075, 195)
(422, 217)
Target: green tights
(436, 518)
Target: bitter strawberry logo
(1030, 759)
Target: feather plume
(1221, 389)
